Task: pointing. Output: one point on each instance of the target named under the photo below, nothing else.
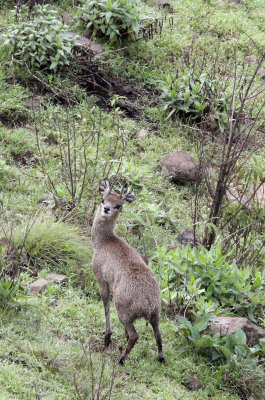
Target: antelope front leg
(105, 295)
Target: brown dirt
(24, 158)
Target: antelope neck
(102, 229)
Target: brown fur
(120, 269)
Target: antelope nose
(106, 209)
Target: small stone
(152, 352)
(261, 73)
(142, 134)
(260, 195)
(58, 278)
(193, 383)
(128, 90)
(251, 59)
(66, 18)
(186, 236)
(163, 3)
(34, 102)
(173, 246)
(39, 285)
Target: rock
(246, 200)
(47, 201)
(39, 285)
(34, 102)
(142, 134)
(186, 237)
(192, 383)
(82, 43)
(152, 352)
(234, 196)
(261, 73)
(58, 278)
(225, 325)
(66, 18)
(180, 167)
(251, 59)
(128, 90)
(173, 246)
(259, 196)
(163, 3)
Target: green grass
(42, 342)
(43, 336)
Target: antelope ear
(104, 187)
(126, 194)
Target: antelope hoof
(161, 358)
(121, 361)
(123, 358)
(108, 339)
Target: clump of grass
(58, 246)
(12, 102)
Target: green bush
(205, 280)
(40, 42)
(112, 18)
(191, 95)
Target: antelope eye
(118, 207)
(102, 201)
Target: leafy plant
(112, 18)
(232, 346)
(203, 280)
(191, 95)
(239, 367)
(40, 42)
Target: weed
(191, 95)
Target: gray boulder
(225, 325)
(82, 43)
(180, 167)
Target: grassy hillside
(189, 80)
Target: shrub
(204, 280)
(41, 41)
(191, 95)
(112, 18)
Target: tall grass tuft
(55, 245)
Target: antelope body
(120, 269)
